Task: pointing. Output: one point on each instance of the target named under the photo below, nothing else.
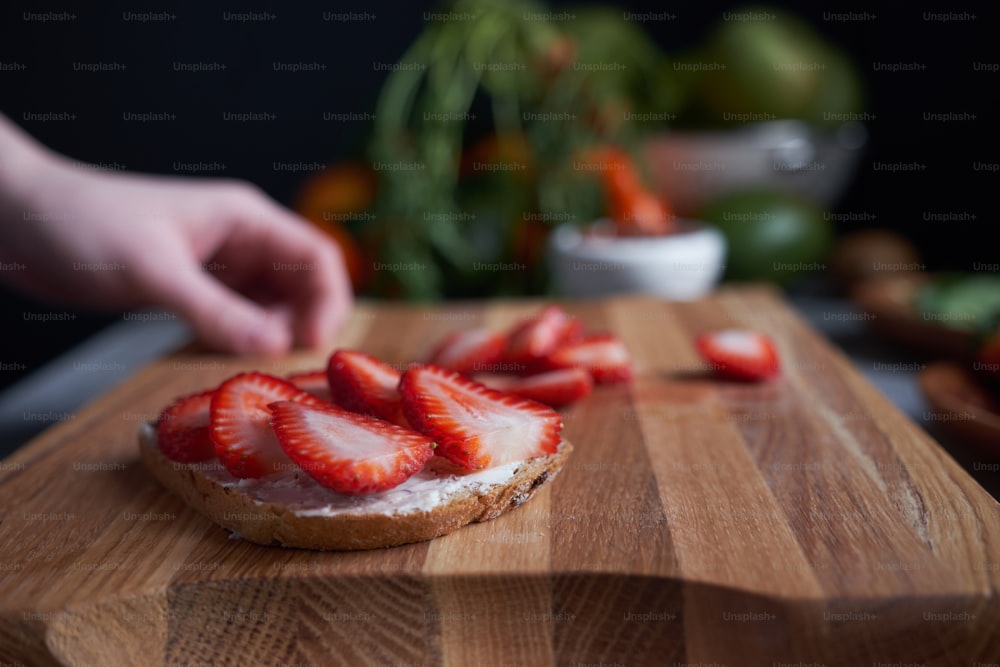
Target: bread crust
(272, 523)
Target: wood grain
(697, 522)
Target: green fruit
(772, 236)
(840, 96)
(961, 300)
(775, 66)
(678, 83)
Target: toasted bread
(290, 509)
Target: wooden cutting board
(698, 522)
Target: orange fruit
(331, 199)
(634, 209)
(506, 154)
(335, 192)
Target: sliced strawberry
(739, 354)
(555, 388)
(475, 426)
(241, 423)
(604, 356)
(496, 381)
(536, 337)
(346, 451)
(314, 382)
(182, 429)
(470, 351)
(361, 383)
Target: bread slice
(290, 509)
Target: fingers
(220, 317)
(304, 269)
(330, 299)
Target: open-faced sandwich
(365, 455)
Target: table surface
(804, 520)
(56, 391)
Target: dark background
(298, 33)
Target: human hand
(250, 276)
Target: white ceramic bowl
(680, 267)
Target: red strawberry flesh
(604, 356)
(555, 388)
(475, 426)
(314, 382)
(349, 452)
(536, 337)
(182, 430)
(361, 383)
(739, 354)
(470, 351)
(241, 423)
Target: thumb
(223, 319)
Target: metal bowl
(691, 168)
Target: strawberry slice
(346, 451)
(555, 388)
(314, 382)
(182, 429)
(536, 337)
(604, 356)
(470, 351)
(361, 383)
(475, 426)
(496, 381)
(241, 423)
(739, 354)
